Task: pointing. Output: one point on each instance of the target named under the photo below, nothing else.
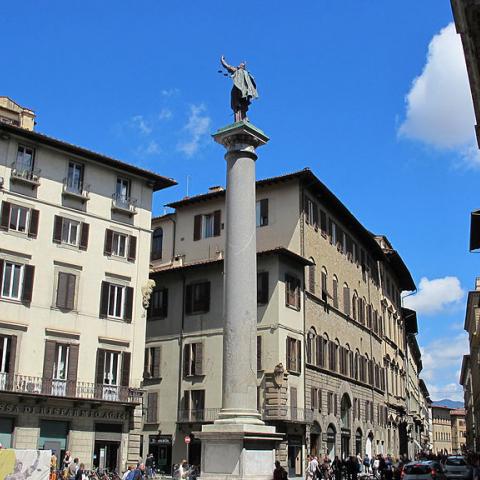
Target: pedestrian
(67, 460)
(81, 475)
(182, 469)
(376, 464)
(138, 473)
(366, 463)
(279, 473)
(314, 467)
(388, 468)
(127, 472)
(337, 468)
(359, 463)
(72, 469)
(150, 465)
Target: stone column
(239, 445)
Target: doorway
(331, 441)
(315, 439)
(294, 456)
(106, 455)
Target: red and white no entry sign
(187, 439)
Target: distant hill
(448, 403)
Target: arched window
(345, 409)
(324, 285)
(311, 344)
(356, 365)
(375, 321)
(354, 305)
(346, 299)
(335, 291)
(157, 244)
(369, 315)
(358, 442)
(311, 276)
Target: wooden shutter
(84, 230)
(57, 229)
(125, 377)
(2, 263)
(156, 361)
(320, 400)
(12, 355)
(313, 398)
(132, 248)
(299, 355)
(335, 405)
(297, 294)
(99, 373)
(289, 357)
(33, 225)
(259, 352)
(152, 400)
(72, 370)
(293, 401)
(107, 248)
(197, 227)
(189, 299)
(315, 215)
(217, 218)
(27, 290)
(62, 286)
(262, 288)
(5, 216)
(128, 311)
(318, 350)
(264, 212)
(104, 300)
(186, 360)
(72, 279)
(48, 363)
(164, 307)
(198, 359)
(311, 278)
(346, 301)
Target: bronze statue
(243, 90)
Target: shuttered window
(193, 359)
(292, 291)
(116, 301)
(158, 305)
(152, 407)
(66, 290)
(329, 403)
(294, 355)
(324, 286)
(152, 362)
(314, 398)
(311, 277)
(261, 210)
(335, 292)
(346, 300)
(197, 298)
(19, 219)
(70, 232)
(323, 223)
(16, 281)
(262, 288)
(207, 225)
(157, 244)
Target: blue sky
(138, 81)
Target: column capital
(240, 136)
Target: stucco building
(331, 330)
(74, 256)
(466, 382)
(459, 430)
(441, 430)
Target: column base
(238, 451)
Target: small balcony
(22, 384)
(25, 175)
(75, 189)
(124, 204)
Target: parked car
(423, 470)
(456, 467)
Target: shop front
(161, 448)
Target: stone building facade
(74, 256)
(459, 430)
(441, 430)
(331, 329)
(466, 381)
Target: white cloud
(441, 360)
(165, 114)
(435, 296)
(197, 127)
(151, 148)
(439, 109)
(169, 92)
(139, 122)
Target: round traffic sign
(187, 439)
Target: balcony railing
(68, 389)
(21, 173)
(124, 203)
(76, 189)
(272, 413)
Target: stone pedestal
(239, 445)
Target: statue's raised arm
(243, 91)
(226, 66)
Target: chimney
(477, 284)
(215, 188)
(13, 114)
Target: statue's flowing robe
(244, 89)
